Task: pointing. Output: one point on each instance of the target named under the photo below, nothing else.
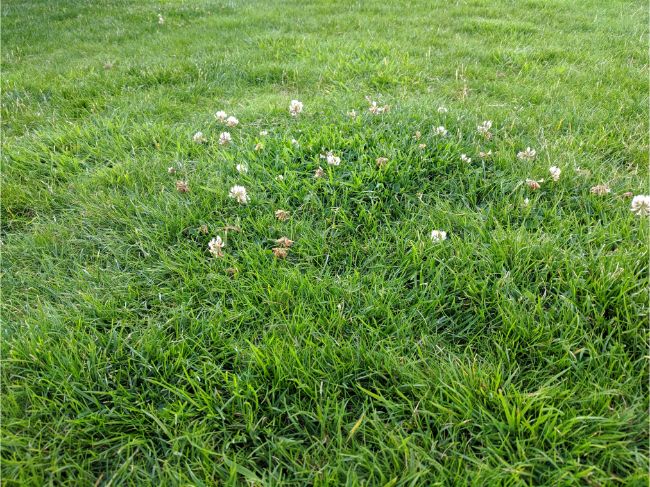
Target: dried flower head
(484, 129)
(417, 135)
(295, 107)
(225, 138)
(381, 161)
(203, 229)
(555, 173)
(259, 146)
(438, 235)
(527, 155)
(583, 172)
(215, 245)
(171, 170)
(465, 159)
(352, 113)
(232, 121)
(280, 252)
(241, 168)
(485, 155)
(374, 108)
(441, 131)
(319, 173)
(282, 215)
(239, 194)
(422, 146)
(284, 242)
(628, 194)
(532, 184)
(221, 116)
(199, 138)
(182, 186)
(641, 205)
(600, 189)
(232, 271)
(442, 109)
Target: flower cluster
(239, 194)
(295, 108)
(484, 129)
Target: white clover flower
(526, 202)
(264, 133)
(438, 235)
(485, 155)
(600, 189)
(441, 131)
(295, 107)
(171, 170)
(215, 245)
(332, 160)
(225, 138)
(465, 159)
(259, 146)
(352, 113)
(319, 173)
(199, 138)
(232, 121)
(422, 146)
(221, 116)
(442, 109)
(295, 143)
(555, 173)
(161, 19)
(279, 177)
(242, 168)
(484, 128)
(528, 154)
(641, 205)
(239, 194)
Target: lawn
(158, 330)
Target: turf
(512, 353)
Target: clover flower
(295, 108)
(532, 184)
(527, 155)
(484, 129)
(600, 189)
(555, 173)
(239, 194)
(641, 205)
(438, 235)
(215, 245)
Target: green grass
(513, 353)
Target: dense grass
(513, 353)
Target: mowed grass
(512, 353)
